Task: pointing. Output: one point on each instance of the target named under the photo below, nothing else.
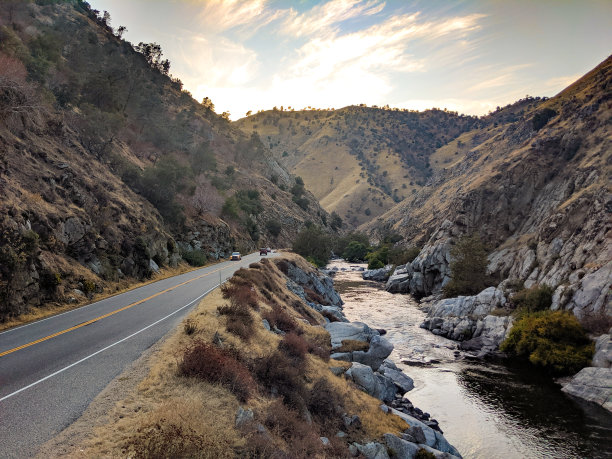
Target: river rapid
(486, 410)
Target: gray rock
(372, 383)
(403, 382)
(78, 292)
(592, 384)
(433, 438)
(343, 356)
(153, 266)
(401, 449)
(379, 275)
(594, 296)
(339, 331)
(414, 434)
(351, 421)
(244, 416)
(399, 281)
(603, 352)
(266, 324)
(372, 450)
(341, 434)
(325, 441)
(380, 349)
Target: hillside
(109, 170)
(535, 183)
(358, 161)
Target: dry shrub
(279, 318)
(324, 403)
(329, 316)
(314, 297)
(293, 346)
(350, 345)
(239, 320)
(211, 364)
(305, 311)
(164, 439)
(190, 326)
(597, 323)
(240, 293)
(288, 424)
(283, 266)
(319, 342)
(282, 376)
(18, 98)
(259, 445)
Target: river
(486, 410)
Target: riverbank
(487, 410)
(274, 391)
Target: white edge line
(107, 347)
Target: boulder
(403, 382)
(594, 295)
(372, 383)
(244, 416)
(334, 311)
(592, 384)
(402, 449)
(380, 349)
(399, 281)
(340, 331)
(603, 351)
(379, 275)
(433, 438)
(372, 450)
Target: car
(236, 256)
(263, 251)
(269, 250)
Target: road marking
(83, 324)
(107, 347)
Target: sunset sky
(468, 56)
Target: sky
(468, 56)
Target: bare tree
(206, 199)
(17, 97)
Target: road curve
(50, 370)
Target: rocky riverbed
(486, 410)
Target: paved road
(52, 369)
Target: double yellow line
(23, 346)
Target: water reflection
(486, 410)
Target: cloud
(321, 18)
(221, 15)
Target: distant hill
(109, 169)
(358, 161)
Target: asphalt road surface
(52, 369)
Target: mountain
(358, 161)
(109, 169)
(533, 179)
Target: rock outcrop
(379, 275)
(592, 384)
(468, 319)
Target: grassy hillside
(108, 169)
(358, 161)
(540, 168)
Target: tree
(355, 252)
(468, 267)
(120, 31)
(206, 199)
(336, 222)
(207, 103)
(313, 244)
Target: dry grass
(350, 345)
(170, 414)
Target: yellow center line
(10, 351)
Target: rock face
(372, 382)
(379, 275)
(603, 351)
(592, 384)
(468, 319)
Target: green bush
(274, 227)
(195, 257)
(542, 117)
(356, 251)
(378, 258)
(400, 256)
(534, 299)
(313, 242)
(468, 267)
(553, 340)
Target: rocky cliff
(536, 187)
(109, 170)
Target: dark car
(263, 251)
